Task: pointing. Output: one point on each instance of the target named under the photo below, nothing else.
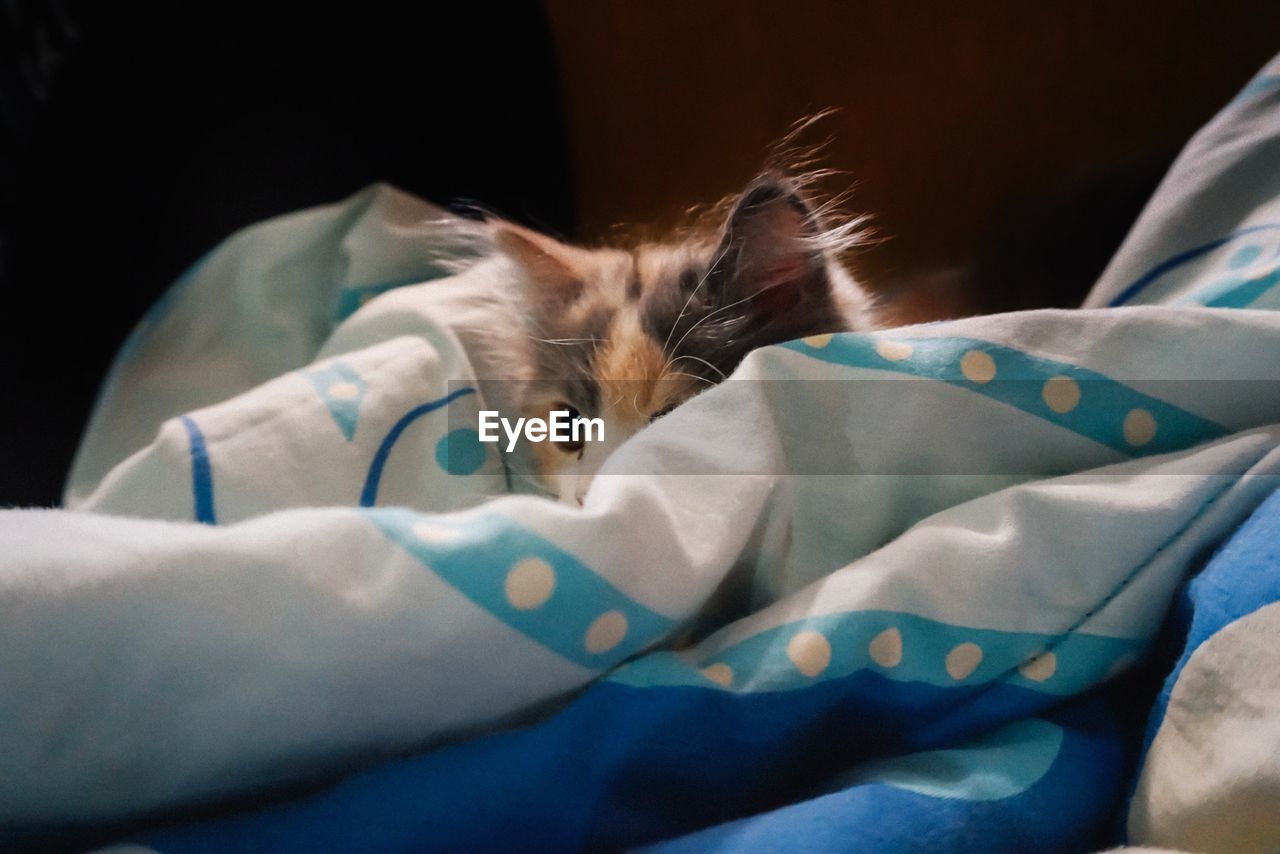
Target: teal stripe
(1239, 292)
(762, 663)
(475, 555)
(1158, 271)
(1020, 381)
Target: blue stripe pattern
(201, 473)
(1156, 272)
(1104, 411)
(899, 646)
(572, 610)
(369, 494)
(1238, 291)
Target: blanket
(890, 591)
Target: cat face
(627, 335)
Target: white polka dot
(530, 583)
(344, 391)
(886, 648)
(433, 532)
(963, 660)
(721, 674)
(978, 366)
(1139, 427)
(606, 632)
(1062, 394)
(810, 652)
(894, 351)
(818, 341)
(1039, 668)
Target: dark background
(137, 136)
(1003, 147)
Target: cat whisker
(708, 316)
(691, 376)
(565, 342)
(675, 359)
(702, 281)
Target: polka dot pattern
(1235, 283)
(444, 457)
(460, 452)
(1061, 394)
(1069, 396)
(892, 645)
(885, 648)
(606, 632)
(978, 366)
(1039, 668)
(527, 582)
(894, 351)
(810, 652)
(963, 659)
(719, 673)
(530, 583)
(1139, 427)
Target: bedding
(897, 591)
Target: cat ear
(769, 249)
(557, 271)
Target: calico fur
(626, 334)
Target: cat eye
(570, 447)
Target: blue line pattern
(201, 473)
(1158, 271)
(369, 495)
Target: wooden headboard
(1003, 148)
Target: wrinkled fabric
(289, 559)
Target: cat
(626, 335)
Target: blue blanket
(343, 624)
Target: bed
(1000, 583)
